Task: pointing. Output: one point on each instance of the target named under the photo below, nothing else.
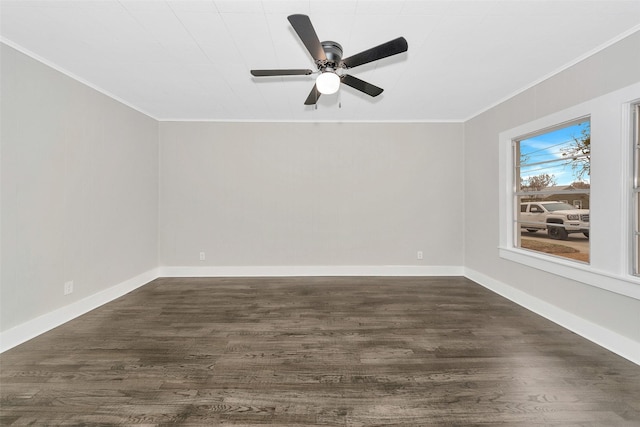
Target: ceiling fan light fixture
(328, 83)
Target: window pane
(636, 234)
(637, 207)
(553, 173)
(636, 189)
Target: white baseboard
(31, 329)
(612, 341)
(619, 344)
(320, 270)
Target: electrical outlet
(202, 256)
(68, 287)
(419, 255)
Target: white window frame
(635, 196)
(611, 253)
(516, 194)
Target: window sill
(624, 285)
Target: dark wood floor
(315, 351)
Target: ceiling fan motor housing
(333, 52)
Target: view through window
(553, 181)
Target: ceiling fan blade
(304, 28)
(361, 85)
(283, 72)
(389, 48)
(313, 96)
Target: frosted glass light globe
(328, 83)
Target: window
(636, 189)
(615, 213)
(552, 167)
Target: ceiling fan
(331, 67)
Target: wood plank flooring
(315, 351)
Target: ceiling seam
(211, 61)
(238, 50)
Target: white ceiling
(190, 60)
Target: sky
(547, 147)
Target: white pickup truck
(558, 218)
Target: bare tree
(538, 182)
(580, 185)
(578, 154)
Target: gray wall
(613, 68)
(79, 190)
(283, 194)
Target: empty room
(341, 213)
